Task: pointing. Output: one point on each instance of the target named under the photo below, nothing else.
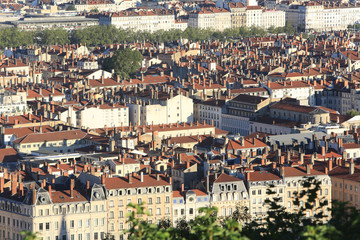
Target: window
(158, 211)
(158, 200)
(167, 199)
(87, 223)
(326, 191)
(121, 214)
(111, 203)
(56, 225)
(121, 203)
(41, 226)
(111, 215)
(79, 223)
(47, 226)
(72, 224)
(150, 201)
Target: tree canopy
(100, 35)
(352, 113)
(125, 62)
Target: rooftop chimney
(72, 183)
(308, 168)
(352, 167)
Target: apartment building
(254, 16)
(293, 177)
(341, 100)
(238, 14)
(154, 191)
(258, 183)
(123, 166)
(240, 110)
(103, 6)
(345, 182)
(65, 214)
(313, 16)
(153, 107)
(12, 103)
(209, 111)
(274, 18)
(228, 192)
(210, 18)
(301, 114)
(141, 20)
(302, 91)
(251, 147)
(187, 203)
(108, 114)
(61, 142)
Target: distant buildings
(312, 16)
(68, 23)
(140, 20)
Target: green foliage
(71, 8)
(13, 37)
(289, 28)
(54, 36)
(352, 113)
(100, 35)
(355, 26)
(346, 220)
(27, 235)
(125, 62)
(94, 10)
(141, 229)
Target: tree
(289, 28)
(352, 113)
(71, 8)
(53, 36)
(27, 235)
(94, 10)
(125, 62)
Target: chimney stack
(33, 196)
(2, 183)
(308, 169)
(50, 190)
(72, 183)
(352, 167)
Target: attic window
(62, 197)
